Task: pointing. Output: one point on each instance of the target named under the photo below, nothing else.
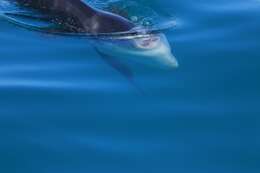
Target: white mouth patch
(149, 42)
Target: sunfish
(81, 17)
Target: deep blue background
(64, 110)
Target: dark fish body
(81, 16)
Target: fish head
(153, 49)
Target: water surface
(63, 109)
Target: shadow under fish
(113, 36)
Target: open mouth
(149, 42)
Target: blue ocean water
(63, 109)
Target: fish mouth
(157, 46)
(148, 42)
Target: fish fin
(121, 68)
